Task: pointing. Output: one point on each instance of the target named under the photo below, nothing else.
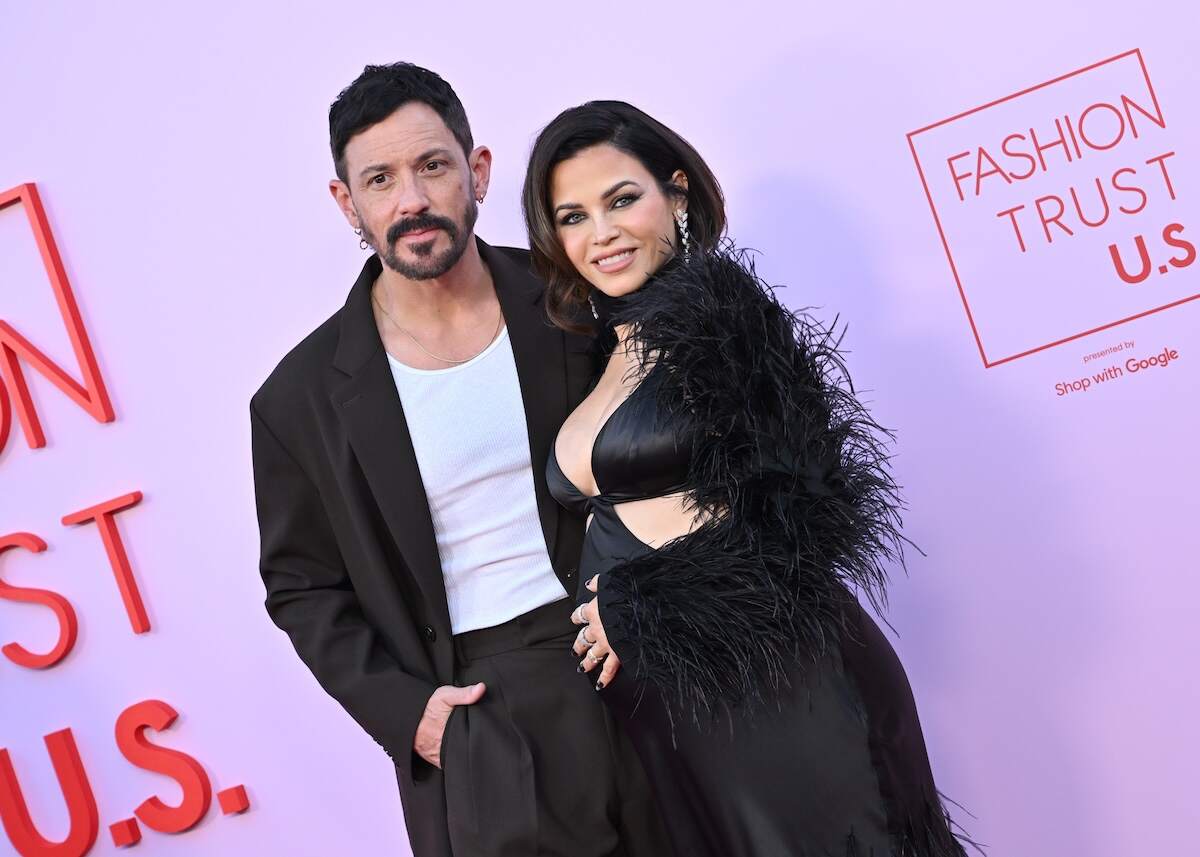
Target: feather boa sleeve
(788, 470)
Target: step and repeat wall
(1003, 204)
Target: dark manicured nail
(579, 669)
(599, 685)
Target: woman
(737, 495)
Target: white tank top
(469, 433)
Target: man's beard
(428, 265)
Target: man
(410, 548)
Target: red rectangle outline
(942, 234)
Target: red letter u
(81, 803)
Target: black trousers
(538, 766)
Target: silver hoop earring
(362, 242)
(681, 221)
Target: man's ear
(480, 164)
(341, 195)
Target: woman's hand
(592, 642)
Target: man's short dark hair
(379, 92)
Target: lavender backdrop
(182, 156)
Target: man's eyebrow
(373, 168)
(605, 195)
(383, 167)
(429, 153)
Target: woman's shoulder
(715, 302)
(716, 321)
(701, 285)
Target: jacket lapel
(369, 407)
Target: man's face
(412, 190)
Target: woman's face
(615, 223)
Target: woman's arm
(790, 469)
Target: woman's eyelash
(632, 197)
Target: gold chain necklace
(495, 333)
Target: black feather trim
(789, 471)
(932, 835)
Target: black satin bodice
(638, 454)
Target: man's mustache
(419, 223)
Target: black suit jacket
(349, 558)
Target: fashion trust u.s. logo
(1063, 208)
(18, 355)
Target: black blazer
(349, 558)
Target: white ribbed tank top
(469, 432)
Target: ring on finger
(583, 633)
(592, 657)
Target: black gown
(838, 768)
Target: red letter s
(197, 791)
(68, 625)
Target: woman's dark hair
(659, 149)
(379, 92)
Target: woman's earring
(681, 220)
(592, 304)
(362, 242)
